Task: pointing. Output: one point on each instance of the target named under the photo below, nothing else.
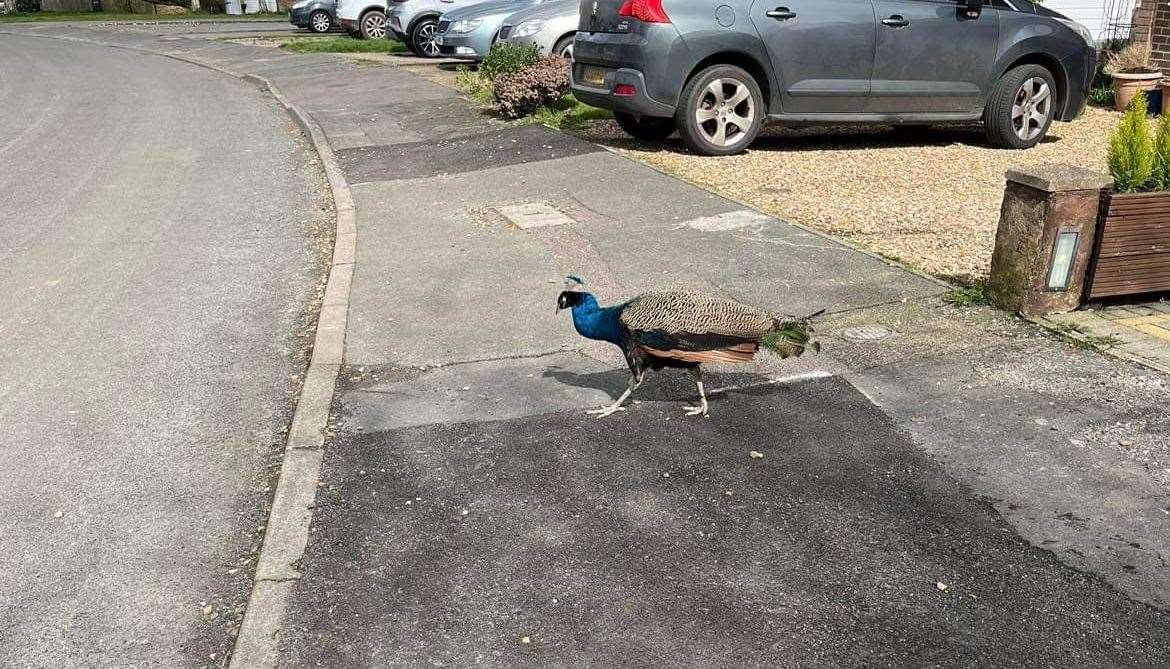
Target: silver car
(551, 26)
(415, 23)
(470, 32)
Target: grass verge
(342, 45)
(37, 17)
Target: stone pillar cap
(1058, 177)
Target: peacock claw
(696, 411)
(605, 411)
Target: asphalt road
(159, 257)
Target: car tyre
(422, 38)
(650, 128)
(320, 21)
(720, 111)
(1021, 108)
(373, 25)
(564, 47)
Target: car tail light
(646, 11)
(625, 90)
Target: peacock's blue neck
(595, 322)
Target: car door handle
(781, 14)
(895, 21)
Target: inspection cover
(533, 215)
(866, 333)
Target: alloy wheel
(426, 41)
(375, 26)
(1031, 108)
(567, 51)
(320, 22)
(725, 112)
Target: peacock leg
(702, 408)
(635, 381)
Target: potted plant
(1131, 73)
(1133, 236)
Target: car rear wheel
(1021, 108)
(720, 111)
(564, 47)
(650, 128)
(373, 25)
(423, 38)
(320, 21)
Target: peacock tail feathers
(791, 337)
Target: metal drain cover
(866, 333)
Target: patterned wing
(679, 324)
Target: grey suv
(715, 70)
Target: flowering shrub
(541, 84)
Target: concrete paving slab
(654, 540)
(433, 284)
(435, 263)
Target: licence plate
(593, 76)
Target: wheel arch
(572, 32)
(1048, 62)
(743, 60)
(422, 16)
(371, 8)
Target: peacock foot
(606, 410)
(697, 411)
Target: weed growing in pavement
(474, 85)
(1079, 339)
(967, 296)
(569, 113)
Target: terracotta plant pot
(1165, 86)
(1132, 253)
(1127, 84)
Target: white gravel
(928, 198)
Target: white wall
(1089, 13)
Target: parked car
(469, 32)
(316, 15)
(415, 23)
(716, 71)
(549, 25)
(362, 18)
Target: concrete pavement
(462, 391)
(159, 266)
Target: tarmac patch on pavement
(525, 144)
(651, 539)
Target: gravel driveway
(927, 198)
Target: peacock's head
(572, 295)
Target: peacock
(682, 329)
